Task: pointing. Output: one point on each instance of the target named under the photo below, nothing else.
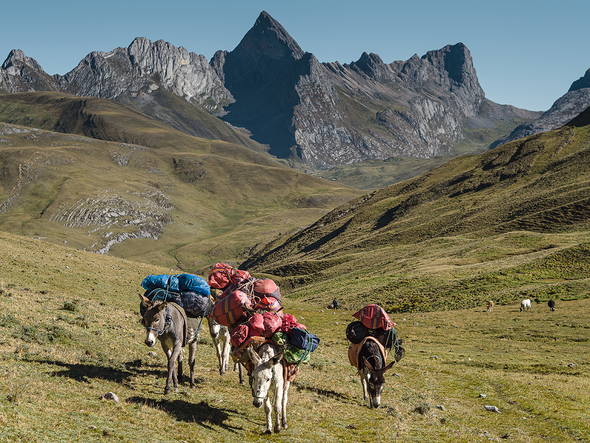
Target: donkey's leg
(226, 351)
(268, 412)
(286, 386)
(179, 367)
(214, 330)
(172, 376)
(192, 358)
(168, 351)
(238, 366)
(279, 392)
(364, 385)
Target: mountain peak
(268, 37)
(582, 82)
(16, 55)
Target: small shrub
(8, 321)
(71, 306)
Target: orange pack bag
(374, 317)
(232, 308)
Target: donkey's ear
(277, 358)
(144, 300)
(254, 357)
(388, 367)
(368, 365)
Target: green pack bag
(294, 355)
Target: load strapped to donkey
(371, 338)
(373, 324)
(188, 291)
(252, 309)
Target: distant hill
(511, 222)
(114, 180)
(565, 108)
(273, 95)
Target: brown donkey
(168, 323)
(369, 358)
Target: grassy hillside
(142, 121)
(203, 199)
(70, 333)
(508, 223)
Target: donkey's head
(261, 374)
(154, 319)
(375, 381)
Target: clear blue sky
(526, 52)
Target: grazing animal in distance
(525, 305)
(369, 357)
(221, 343)
(265, 370)
(551, 304)
(490, 305)
(168, 323)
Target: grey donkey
(168, 323)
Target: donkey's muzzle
(257, 402)
(150, 342)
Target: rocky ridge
(565, 108)
(322, 114)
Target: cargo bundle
(252, 309)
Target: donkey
(490, 305)
(168, 323)
(222, 345)
(371, 364)
(266, 369)
(525, 305)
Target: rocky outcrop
(322, 114)
(20, 73)
(148, 66)
(327, 114)
(565, 108)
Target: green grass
(535, 367)
(505, 224)
(224, 198)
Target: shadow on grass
(201, 413)
(325, 393)
(83, 372)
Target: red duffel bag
(272, 323)
(290, 322)
(239, 335)
(266, 287)
(374, 317)
(231, 308)
(222, 275)
(256, 325)
(269, 304)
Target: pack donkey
(266, 370)
(168, 323)
(221, 343)
(369, 358)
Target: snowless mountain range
(269, 90)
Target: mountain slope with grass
(509, 223)
(117, 181)
(70, 332)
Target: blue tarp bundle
(193, 283)
(177, 283)
(162, 281)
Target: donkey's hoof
(166, 391)
(267, 432)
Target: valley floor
(70, 332)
